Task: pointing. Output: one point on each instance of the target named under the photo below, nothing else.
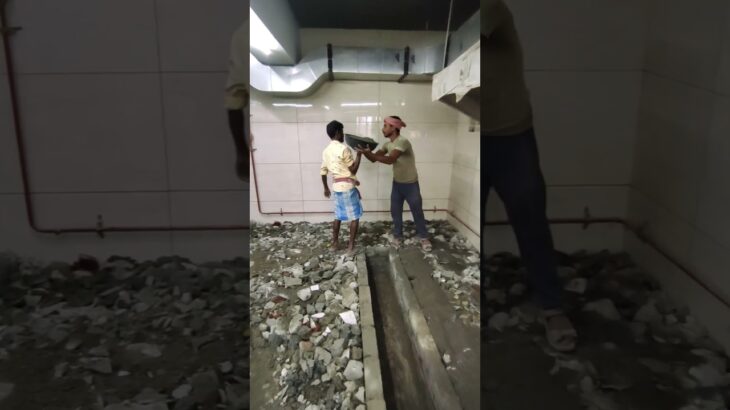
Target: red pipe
(100, 230)
(642, 236)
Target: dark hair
(333, 127)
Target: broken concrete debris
(312, 328)
(631, 336)
(354, 370)
(105, 321)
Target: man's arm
(371, 159)
(377, 156)
(236, 124)
(326, 188)
(323, 171)
(356, 163)
(237, 127)
(493, 15)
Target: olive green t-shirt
(404, 168)
(506, 108)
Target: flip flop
(560, 333)
(426, 245)
(395, 242)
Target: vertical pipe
(448, 27)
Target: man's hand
(242, 169)
(362, 150)
(327, 193)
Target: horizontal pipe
(642, 236)
(102, 231)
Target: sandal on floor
(426, 245)
(560, 333)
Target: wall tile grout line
(683, 220)
(163, 118)
(686, 84)
(583, 70)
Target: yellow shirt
(237, 83)
(337, 158)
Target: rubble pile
(304, 304)
(305, 307)
(162, 334)
(631, 334)
(461, 280)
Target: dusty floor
(636, 350)
(122, 335)
(301, 345)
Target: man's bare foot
(426, 245)
(350, 250)
(335, 246)
(395, 242)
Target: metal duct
(347, 63)
(457, 85)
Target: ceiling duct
(456, 84)
(346, 63)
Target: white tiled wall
(465, 179)
(680, 178)
(584, 77)
(289, 140)
(122, 110)
(635, 122)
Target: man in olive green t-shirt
(399, 153)
(512, 164)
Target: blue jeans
(513, 170)
(411, 193)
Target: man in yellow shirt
(337, 159)
(398, 152)
(509, 149)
